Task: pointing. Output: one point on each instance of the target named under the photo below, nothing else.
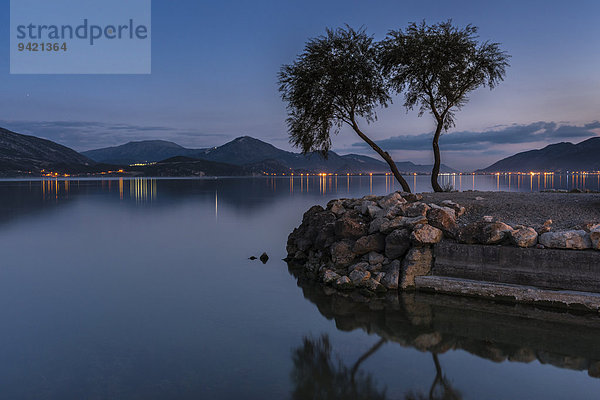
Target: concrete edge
(510, 292)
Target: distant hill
(559, 157)
(254, 155)
(23, 153)
(137, 152)
(186, 166)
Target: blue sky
(215, 64)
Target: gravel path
(566, 210)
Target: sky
(215, 65)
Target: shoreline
(483, 246)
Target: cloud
(509, 134)
(86, 135)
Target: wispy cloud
(503, 135)
(86, 135)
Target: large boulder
(575, 239)
(523, 237)
(326, 236)
(336, 207)
(482, 232)
(351, 225)
(595, 236)
(455, 206)
(316, 224)
(397, 243)
(495, 232)
(392, 275)
(425, 235)
(376, 258)
(391, 200)
(449, 210)
(341, 253)
(443, 218)
(329, 277)
(418, 262)
(343, 283)
(363, 265)
(358, 277)
(375, 225)
(373, 285)
(417, 209)
(393, 212)
(370, 208)
(366, 244)
(388, 226)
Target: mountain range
(23, 153)
(253, 155)
(559, 157)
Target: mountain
(241, 151)
(254, 155)
(23, 153)
(559, 157)
(137, 152)
(186, 166)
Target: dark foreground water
(141, 289)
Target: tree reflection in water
(436, 324)
(441, 389)
(319, 374)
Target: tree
(436, 67)
(319, 374)
(335, 81)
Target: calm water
(141, 289)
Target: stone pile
(380, 243)
(376, 243)
(492, 231)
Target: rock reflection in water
(437, 323)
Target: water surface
(141, 289)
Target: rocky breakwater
(381, 243)
(376, 243)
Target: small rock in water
(252, 258)
(264, 258)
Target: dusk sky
(215, 65)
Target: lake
(142, 289)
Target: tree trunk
(368, 354)
(437, 159)
(384, 155)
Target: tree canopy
(336, 80)
(436, 67)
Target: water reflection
(438, 324)
(319, 374)
(253, 194)
(142, 190)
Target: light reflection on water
(141, 288)
(144, 190)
